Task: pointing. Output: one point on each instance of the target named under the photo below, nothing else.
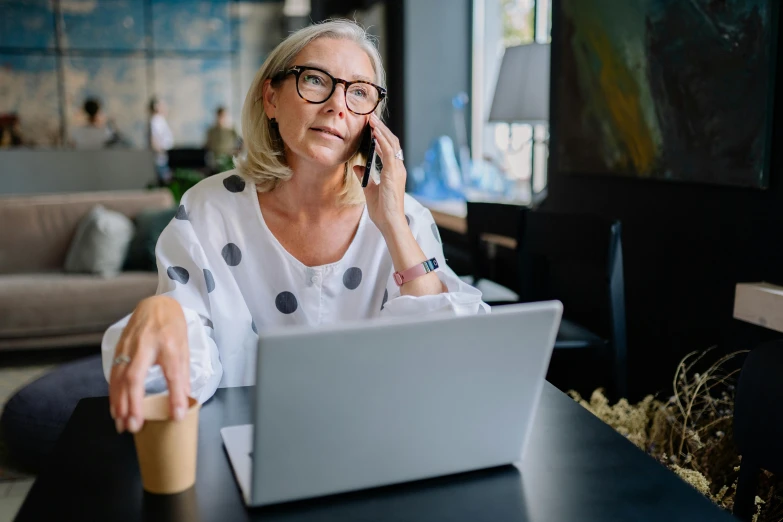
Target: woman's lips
(326, 133)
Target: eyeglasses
(316, 86)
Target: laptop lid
(365, 404)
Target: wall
(685, 247)
(436, 68)
(54, 171)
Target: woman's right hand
(155, 334)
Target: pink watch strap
(415, 271)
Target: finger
(118, 405)
(118, 398)
(121, 420)
(380, 127)
(383, 148)
(134, 379)
(175, 369)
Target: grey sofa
(40, 305)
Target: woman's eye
(314, 80)
(359, 92)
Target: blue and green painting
(666, 89)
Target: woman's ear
(269, 95)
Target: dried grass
(691, 432)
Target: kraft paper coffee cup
(166, 448)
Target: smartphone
(368, 144)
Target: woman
(290, 237)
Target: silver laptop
(359, 405)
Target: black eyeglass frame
(297, 70)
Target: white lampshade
(522, 91)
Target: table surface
(576, 469)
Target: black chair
(187, 158)
(578, 260)
(758, 422)
(491, 227)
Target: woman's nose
(337, 100)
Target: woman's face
(299, 121)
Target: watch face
(398, 278)
(434, 263)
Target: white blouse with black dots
(230, 274)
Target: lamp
(522, 90)
(522, 93)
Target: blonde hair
(264, 160)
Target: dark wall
(685, 247)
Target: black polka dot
(352, 278)
(234, 183)
(209, 280)
(385, 298)
(253, 326)
(408, 219)
(286, 302)
(206, 321)
(435, 232)
(181, 213)
(232, 254)
(177, 273)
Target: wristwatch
(415, 271)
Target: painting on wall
(665, 89)
(193, 55)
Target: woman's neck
(312, 193)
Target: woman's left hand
(386, 201)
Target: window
(499, 24)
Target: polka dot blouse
(219, 260)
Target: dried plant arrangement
(691, 432)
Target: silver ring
(121, 359)
(398, 155)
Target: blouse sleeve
(182, 274)
(460, 299)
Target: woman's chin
(327, 158)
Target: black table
(577, 469)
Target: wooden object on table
(453, 215)
(504, 241)
(760, 304)
(449, 214)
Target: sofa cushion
(57, 304)
(37, 230)
(149, 227)
(100, 243)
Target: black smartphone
(368, 144)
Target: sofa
(41, 306)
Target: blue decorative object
(439, 176)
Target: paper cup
(166, 448)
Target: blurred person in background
(221, 137)
(161, 140)
(95, 134)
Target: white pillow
(100, 243)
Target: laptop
(365, 404)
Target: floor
(17, 370)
